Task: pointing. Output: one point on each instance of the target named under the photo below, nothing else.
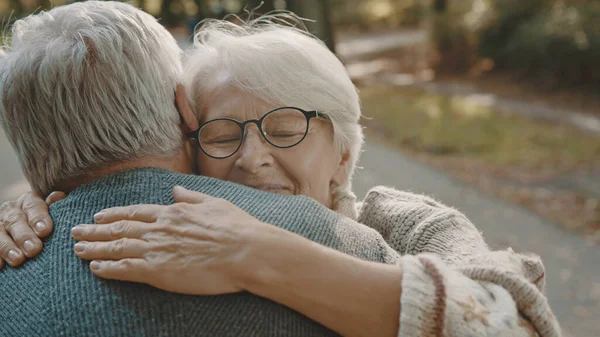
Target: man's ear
(340, 176)
(188, 119)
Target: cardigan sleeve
(453, 284)
(438, 300)
(413, 224)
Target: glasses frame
(309, 114)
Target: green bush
(501, 20)
(557, 41)
(560, 44)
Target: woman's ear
(340, 176)
(188, 119)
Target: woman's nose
(255, 152)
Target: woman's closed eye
(285, 134)
(285, 130)
(222, 139)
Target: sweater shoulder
(23, 293)
(413, 223)
(387, 209)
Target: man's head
(86, 86)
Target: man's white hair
(86, 85)
(281, 64)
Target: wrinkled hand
(196, 246)
(22, 223)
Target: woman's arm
(346, 294)
(421, 296)
(212, 247)
(173, 247)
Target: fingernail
(13, 255)
(98, 216)
(77, 231)
(80, 247)
(95, 265)
(29, 246)
(40, 226)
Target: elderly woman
(278, 112)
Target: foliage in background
(555, 41)
(367, 15)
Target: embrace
(209, 194)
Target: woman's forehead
(230, 102)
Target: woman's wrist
(263, 256)
(346, 294)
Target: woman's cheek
(312, 177)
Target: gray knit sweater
(56, 294)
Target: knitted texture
(414, 224)
(449, 272)
(56, 294)
(484, 301)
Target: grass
(455, 127)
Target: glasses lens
(285, 127)
(220, 138)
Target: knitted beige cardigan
(452, 284)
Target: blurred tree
(320, 12)
(17, 8)
(267, 6)
(165, 11)
(171, 12)
(45, 4)
(440, 6)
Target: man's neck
(179, 163)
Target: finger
(111, 250)
(181, 194)
(134, 270)
(145, 213)
(9, 251)
(38, 216)
(54, 197)
(15, 223)
(1, 264)
(112, 231)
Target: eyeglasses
(283, 128)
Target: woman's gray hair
(273, 60)
(86, 85)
